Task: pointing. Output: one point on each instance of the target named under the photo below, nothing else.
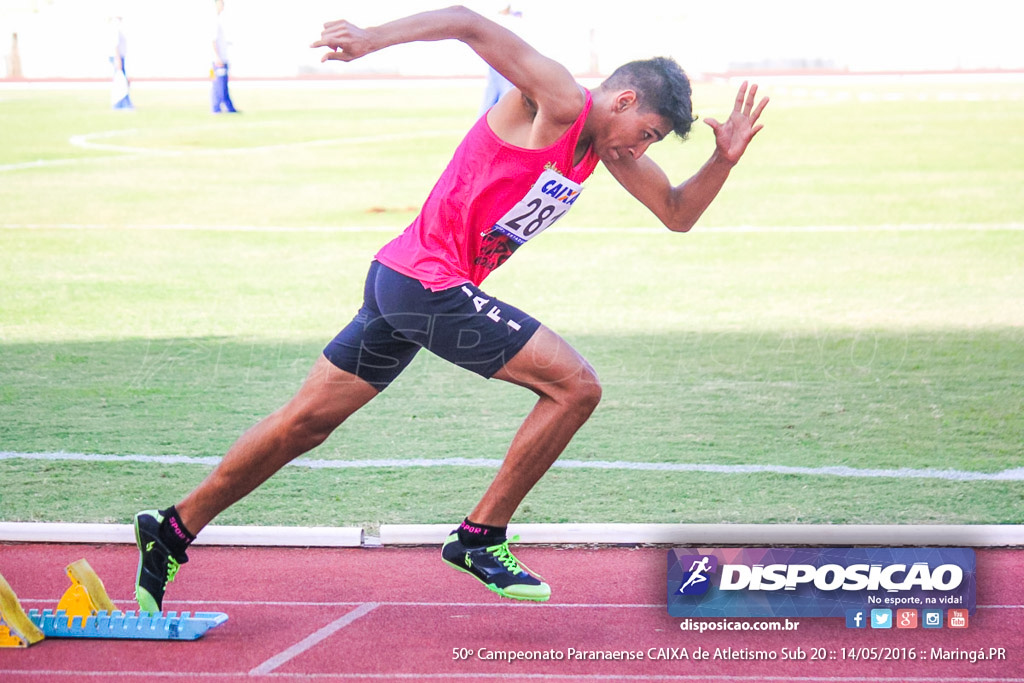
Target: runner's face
(631, 131)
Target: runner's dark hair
(662, 86)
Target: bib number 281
(549, 199)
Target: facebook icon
(856, 618)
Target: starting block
(127, 625)
(86, 611)
(16, 629)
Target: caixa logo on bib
(816, 582)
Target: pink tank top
(491, 199)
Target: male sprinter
(517, 170)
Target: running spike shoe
(157, 564)
(496, 568)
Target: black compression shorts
(400, 316)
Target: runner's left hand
(733, 136)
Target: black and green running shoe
(157, 564)
(496, 568)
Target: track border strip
(709, 535)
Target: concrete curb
(707, 535)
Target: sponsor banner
(818, 582)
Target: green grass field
(168, 278)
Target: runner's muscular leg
(326, 399)
(568, 391)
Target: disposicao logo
(818, 582)
(697, 579)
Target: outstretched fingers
(756, 113)
(741, 97)
(733, 134)
(761, 105)
(745, 99)
(748, 104)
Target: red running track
(400, 614)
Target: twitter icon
(881, 618)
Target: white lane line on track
(734, 229)
(131, 604)
(1016, 474)
(312, 640)
(702, 678)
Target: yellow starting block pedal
(16, 629)
(86, 597)
(86, 611)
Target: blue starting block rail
(127, 625)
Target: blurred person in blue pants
(119, 95)
(497, 85)
(220, 98)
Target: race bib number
(549, 199)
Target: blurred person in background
(14, 60)
(119, 95)
(498, 85)
(220, 98)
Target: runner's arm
(543, 81)
(679, 207)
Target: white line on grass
(1016, 474)
(90, 141)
